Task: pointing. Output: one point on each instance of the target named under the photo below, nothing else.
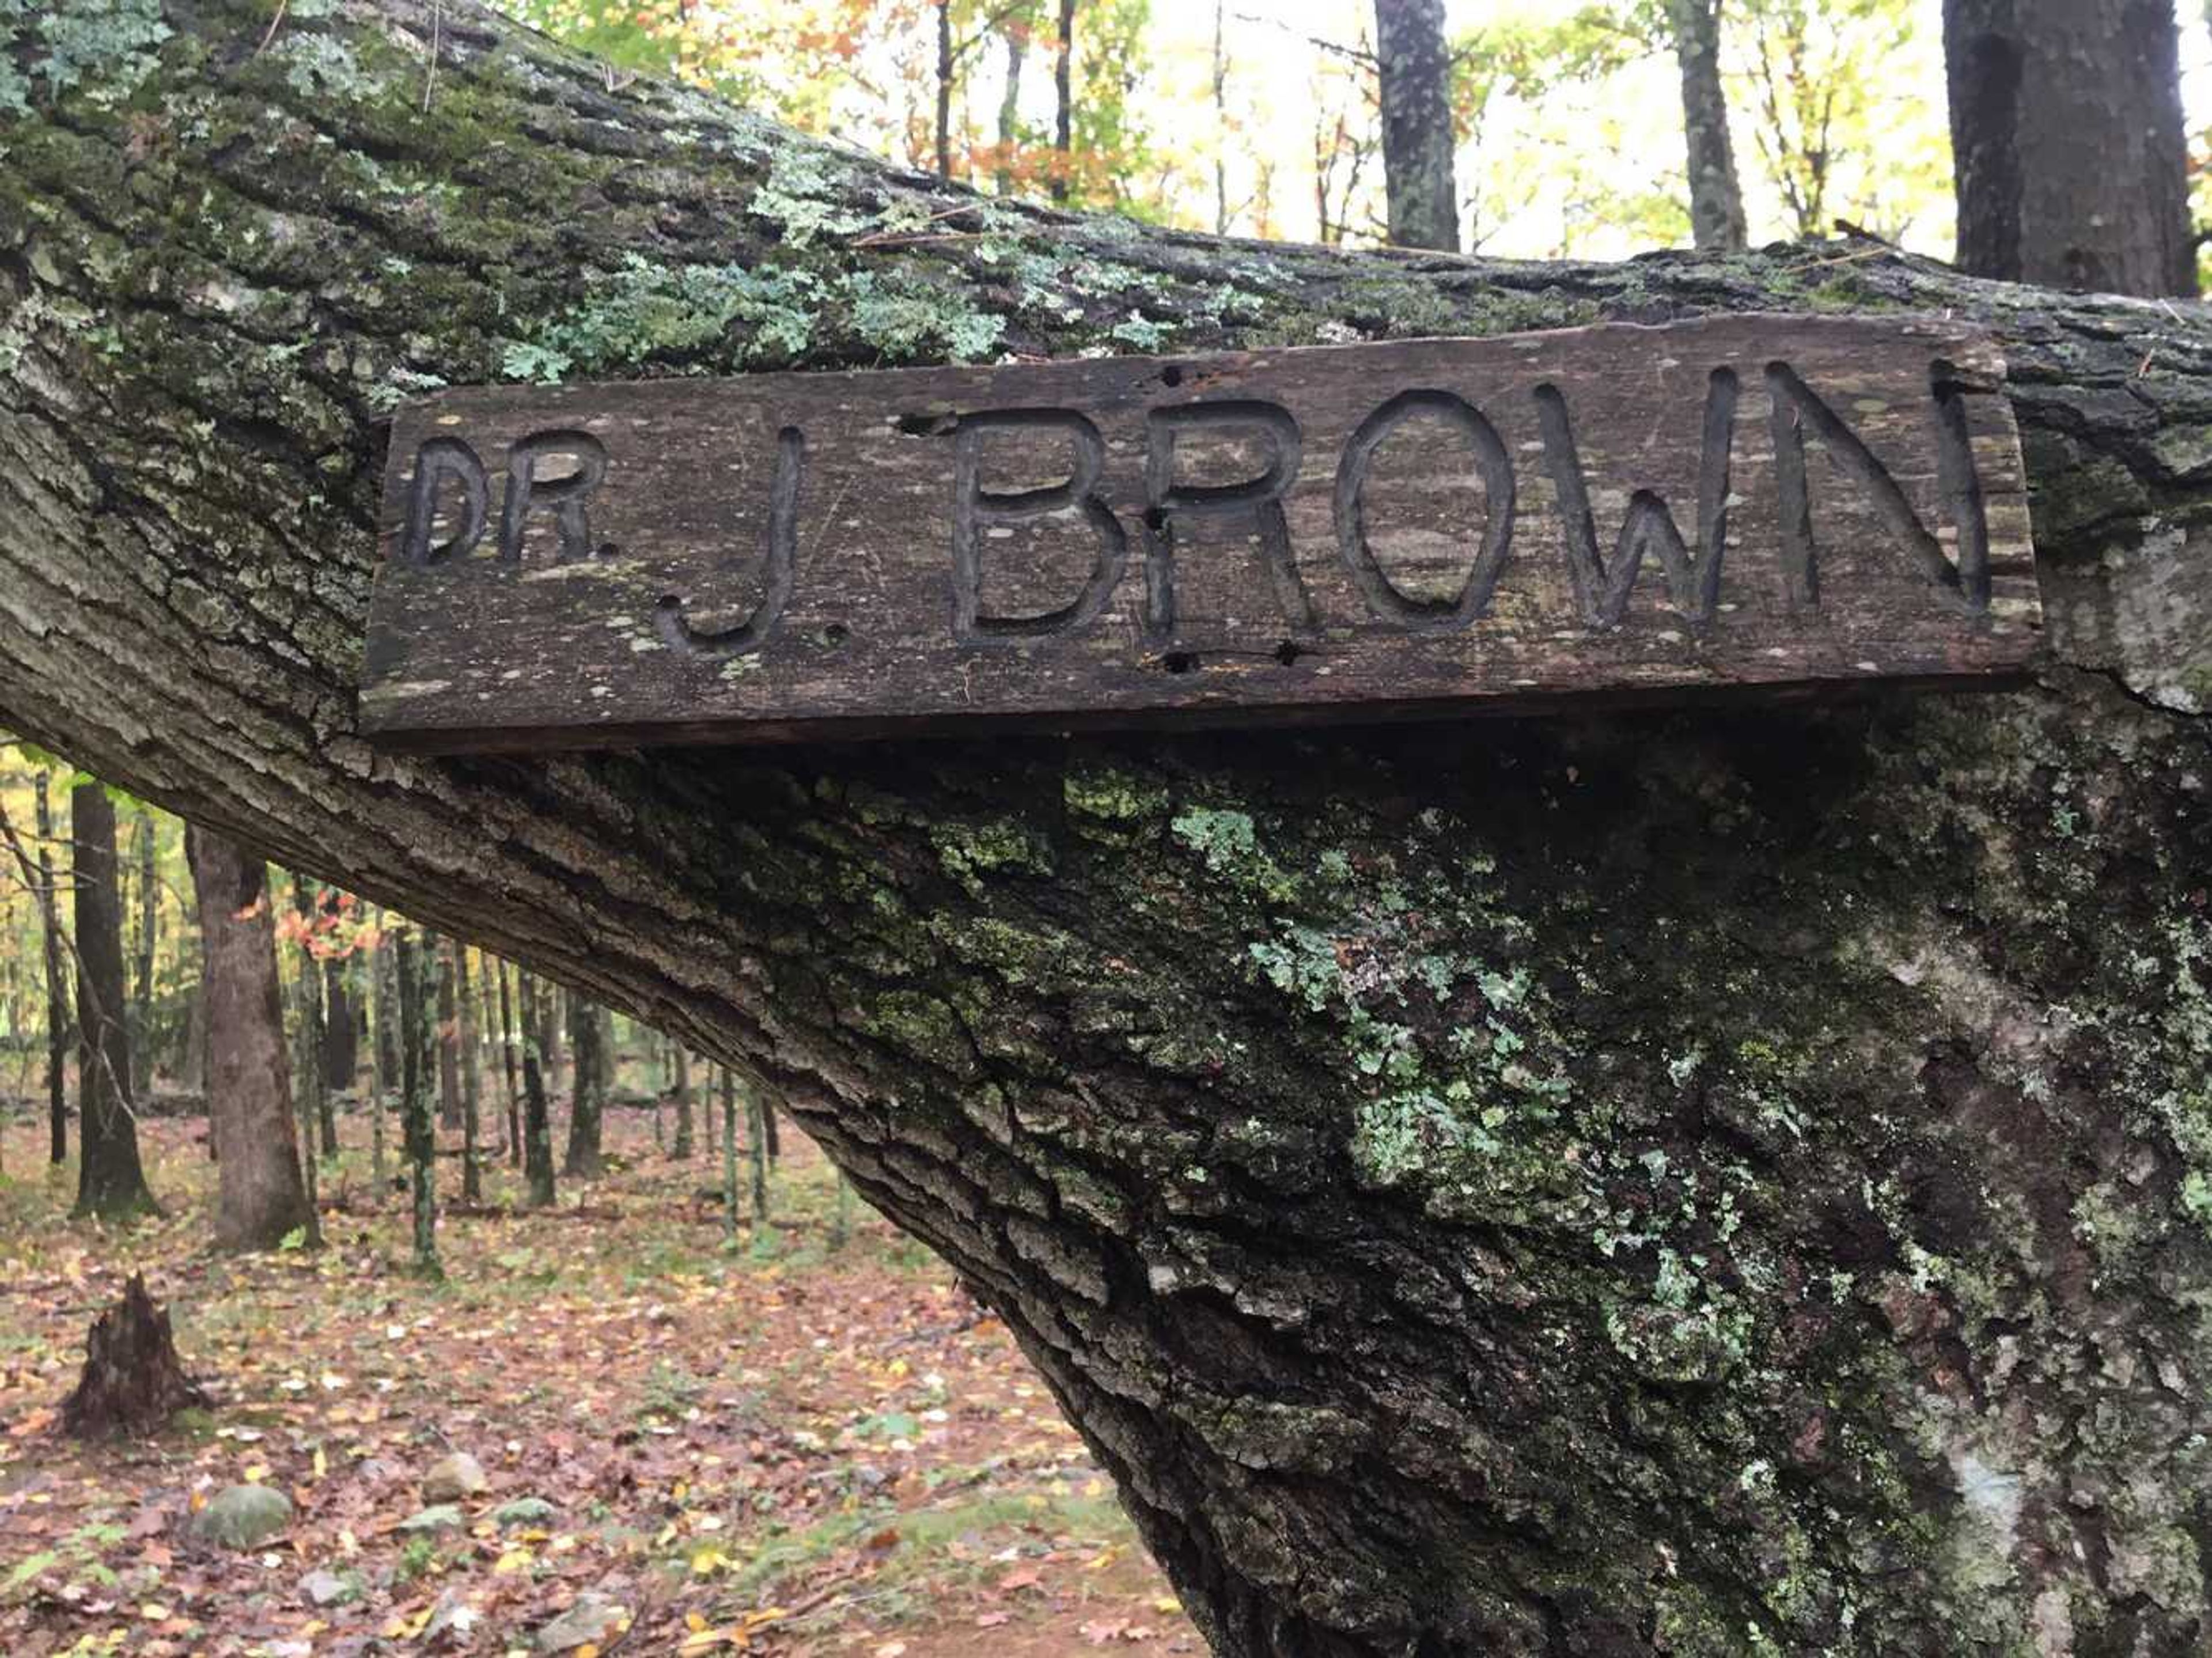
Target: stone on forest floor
(243, 1516)
(591, 1619)
(524, 1511)
(439, 1516)
(328, 1588)
(454, 1478)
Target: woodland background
(699, 1392)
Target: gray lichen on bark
(1712, 1182)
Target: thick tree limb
(1706, 1184)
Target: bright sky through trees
(1570, 135)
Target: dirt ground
(806, 1442)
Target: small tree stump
(133, 1382)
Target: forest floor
(792, 1444)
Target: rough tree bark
(1716, 222)
(2067, 144)
(1414, 69)
(1781, 1226)
(110, 1181)
(260, 1193)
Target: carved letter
(778, 566)
(974, 507)
(438, 460)
(1964, 585)
(1601, 590)
(1261, 496)
(1491, 461)
(566, 497)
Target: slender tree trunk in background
(944, 71)
(553, 1031)
(110, 1181)
(471, 1072)
(537, 1111)
(1786, 1233)
(684, 1132)
(381, 994)
(1414, 69)
(1717, 221)
(449, 1045)
(2067, 144)
(341, 1026)
(384, 1031)
(500, 973)
(730, 1206)
(769, 1132)
(318, 1122)
(418, 1120)
(661, 1052)
(757, 1148)
(1220, 85)
(149, 936)
(260, 1196)
(587, 1096)
(1063, 102)
(707, 1123)
(58, 991)
(1010, 109)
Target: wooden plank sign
(1356, 531)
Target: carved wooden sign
(1354, 533)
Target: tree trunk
(259, 1194)
(1218, 81)
(57, 994)
(757, 1121)
(110, 1181)
(707, 1121)
(319, 1124)
(342, 1023)
(418, 1123)
(132, 1382)
(471, 1072)
(1010, 108)
(730, 1205)
(945, 73)
(685, 1147)
(1709, 1180)
(587, 1096)
(498, 972)
(1414, 66)
(148, 936)
(382, 993)
(2067, 144)
(1716, 222)
(1063, 102)
(537, 1112)
(439, 952)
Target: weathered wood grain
(1765, 502)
